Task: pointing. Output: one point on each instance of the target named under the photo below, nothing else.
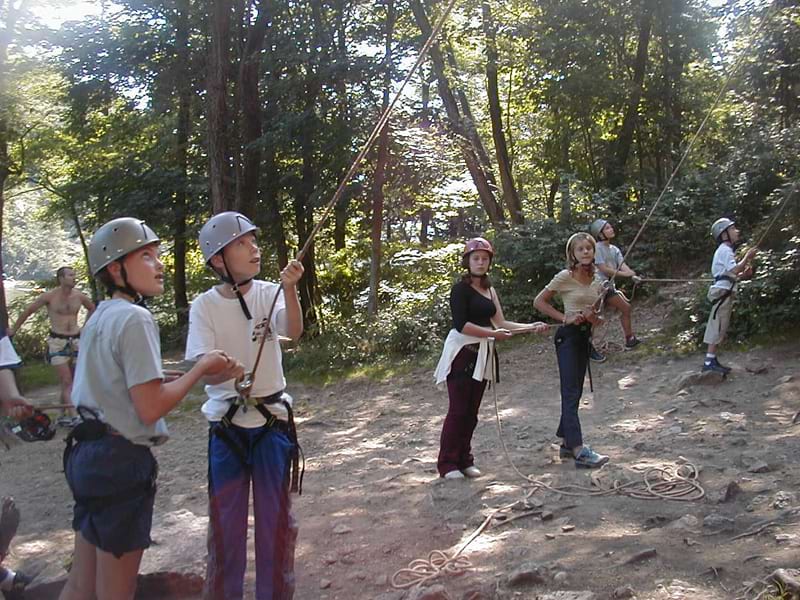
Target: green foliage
(526, 260)
(413, 320)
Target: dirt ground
(372, 501)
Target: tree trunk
(510, 195)
(342, 206)
(566, 173)
(12, 13)
(379, 178)
(551, 196)
(479, 176)
(219, 155)
(184, 92)
(425, 215)
(247, 184)
(615, 172)
(672, 66)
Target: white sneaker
(472, 472)
(454, 475)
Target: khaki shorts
(61, 350)
(720, 317)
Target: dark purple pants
(455, 451)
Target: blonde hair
(572, 262)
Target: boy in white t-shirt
(254, 442)
(726, 272)
(610, 263)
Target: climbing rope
(678, 483)
(245, 385)
(723, 88)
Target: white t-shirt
(120, 348)
(8, 356)
(724, 261)
(608, 255)
(218, 323)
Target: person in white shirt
(726, 272)
(252, 439)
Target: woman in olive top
(578, 289)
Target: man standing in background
(63, 305)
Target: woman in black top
(476, 313)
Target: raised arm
(41, 301)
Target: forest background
(527, 121)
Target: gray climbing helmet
(221, 229)
(597, 229)
(720, 226)
(117, 238)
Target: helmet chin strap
(126, 288)
(235, 286)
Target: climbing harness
(237, 444)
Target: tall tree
(616, 173)
(379, 176)
(9, 15)
(494, 211)
(510, 195)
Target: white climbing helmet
(720, 226)
(221, 229)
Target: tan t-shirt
(575, 295)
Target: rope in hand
(245, 385)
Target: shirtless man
(63, 304)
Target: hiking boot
(472, 472)
(589, 459)
(454, 474)
(17, 591)
(595, 355)
(712, 364)
(632, 342)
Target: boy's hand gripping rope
(244, 386)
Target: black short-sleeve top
(467, 305)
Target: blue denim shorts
(113, 483)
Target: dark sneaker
(632, 342)
(589, 459)
(17, 591)
(595, 355)
(713, 365)
(564, 452)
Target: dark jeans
(572, 352)
(465, 394)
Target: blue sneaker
(589, 459)
(595, 355)
(712, 364)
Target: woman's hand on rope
(574, 319)
(591, 316)
(502, 334)
(292, 273)
(636, 279)
(538, 327)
